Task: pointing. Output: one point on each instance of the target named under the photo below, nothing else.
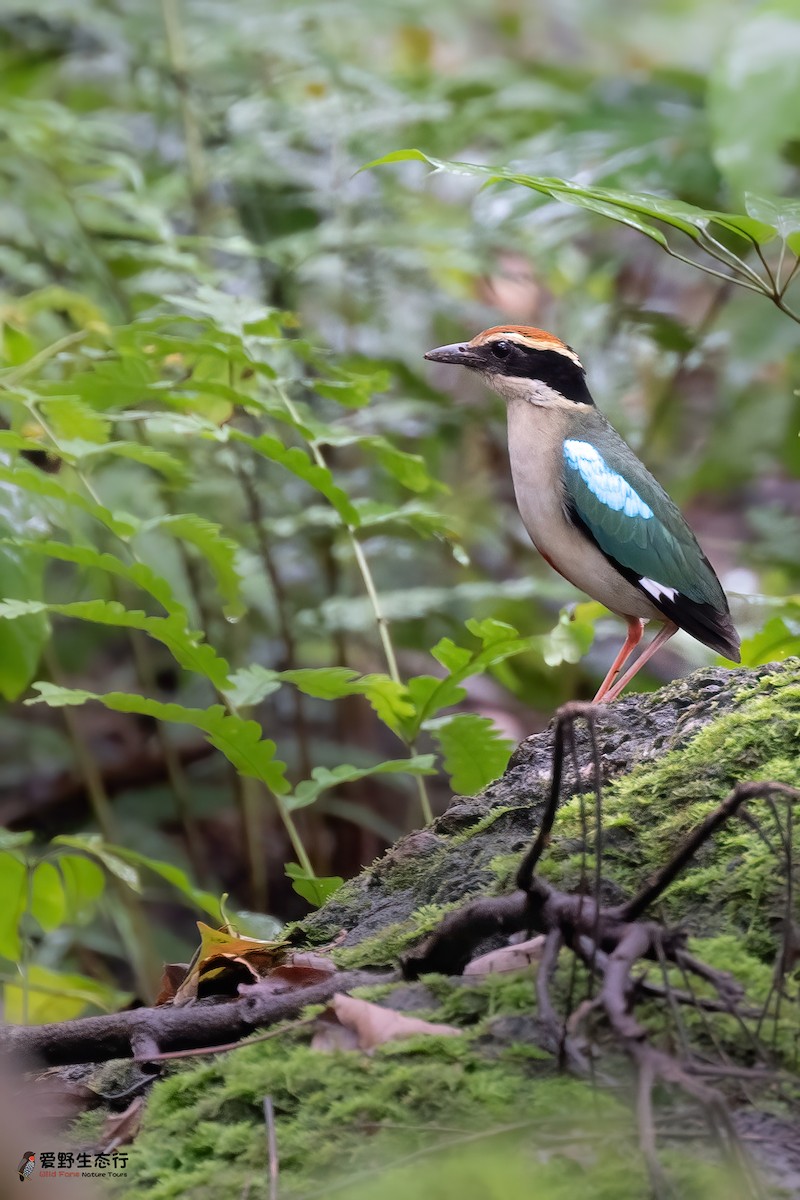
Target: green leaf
(324, 778)
(13, 902)
(498, 641)
(452, 657)
(124, 525)
(430, 694)
(424, 520)
(636, 210)
(239, 740)
(162, 461)
(73, 421)
(218, 550)
(177, 878)
(185, 645)
(92, 843)
(15, 841)
(86, 556)
(475, 752)
(324, 683)
(84, 883)
(47, 902)
(21, 644)
(353, 389)
(389, 698)
(778, 640)
(312, 888)
(573, 635)
(251, 685)
(784, 215)
(53, 996)
(300, 464)
(408, 469)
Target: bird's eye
(501, 349)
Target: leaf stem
(381, 620)
(9, 379)
(255, 861)
(790, 277)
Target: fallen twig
(204, 1024)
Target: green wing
(628, 515)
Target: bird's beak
(459, 353)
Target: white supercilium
(609, 487)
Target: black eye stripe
(501, 349)
(547, 366)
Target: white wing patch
(659, 591)
(609, 487)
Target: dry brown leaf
(508, 958)
(172, 976)
(373, 1025)
(225, 960)
(301, 970)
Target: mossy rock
(480, 1115)
(668, 758)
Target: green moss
(344, 1118)
(734, 882)
(464, 1002)
(385, 948)
(203, 1130)
(485, 823)
(504, 867)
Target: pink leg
(663, 635)
(635, 630)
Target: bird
(590, 506)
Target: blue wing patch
(650, 545)
(604, 483)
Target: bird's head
(521, 362)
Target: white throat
(531, 391)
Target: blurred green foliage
(234, 506)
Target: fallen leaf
(172, 976)
(508, 958)
(301, 970)
(224, 961)
(373, 1025)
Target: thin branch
(742, 792)
(729, 258)
(565, 715)
(790, 277)
(692, 262)
(200, 1025)
(772, 278)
